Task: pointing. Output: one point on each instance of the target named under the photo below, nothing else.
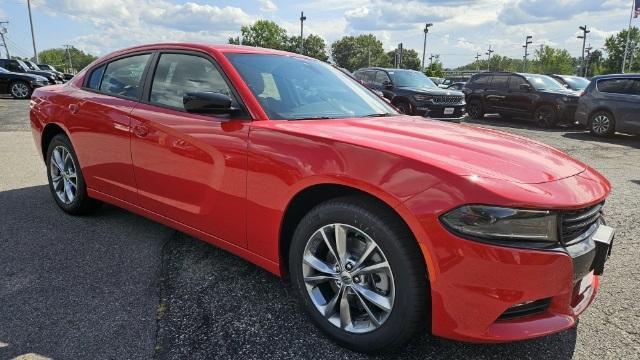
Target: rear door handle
(140, 130)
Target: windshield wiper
(379, 115)
(314, 118)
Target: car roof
(618, 76)
(224, 48)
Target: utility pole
(400, 55)
(69, 57)
(477, 63)
(541, 53)
(302, 19)
(3, 30)
(528, 41)
(626, 46)
(586, 69)
(489, 52)
(584, 43)
(424, 46)
(634, 48)
(33, 36)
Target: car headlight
(422, 97)
(503, 224)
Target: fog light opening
(526, 308)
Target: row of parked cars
(605, 105)
(20, 77)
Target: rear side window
(381, 77)
(500, 82)
(95, 78)
(616, 86)
(368, 77)
(481, 80)
(178, 74)
(123, 77)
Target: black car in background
(19, 85)
(532, 96)
(611, 103)
(571, 82)
(413, 93)
(33, 67)
(18, 66)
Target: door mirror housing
(203, 102)
(525, 87)
(387, 84)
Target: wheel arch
(48, 133)
(599, 109)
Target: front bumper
(450, 112)
(567, 112)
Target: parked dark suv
(611, 103)
(18, 66)
(413, 93)
(531, 96)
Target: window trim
(145, 97)
(145, 72)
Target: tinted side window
(123, 77)
(12, 66)
(381, 77)
(178, 74)
(515, 82)
(481, 80)
(95, 78)
(368, 77)
(500, 82)
(618, 86)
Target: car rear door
(495, 94)
(191, 168)
(100, 124)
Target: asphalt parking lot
(115, 285)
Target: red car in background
(386, 224)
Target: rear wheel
(475, 109)
(20, 90)
(546, 116)
(602, 124)
(405, 108)
(66, 182)
(359, 274)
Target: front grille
(577, 222)
(446, 99)
(529, 308)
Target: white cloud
(267, 6)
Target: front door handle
(140, 130)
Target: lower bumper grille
(529, 308)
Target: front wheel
(602, 124)
(405, 108)
(20, 90)
(360, 274)
(66, 182)
(546, 116)
(475, 109)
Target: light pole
(33, 37)
(586, 69)
(3, 30)
(584, 43)
(69, 56)
(528, 41)
(478, 63)
(424, 46)
(302, 19)
(489, 52)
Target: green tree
(614, 46)
(263, 33)
(553, 61)
(497, 63)
(410, 59)
(435, 69)
(355, 52)
(59, 58)
(314, 46)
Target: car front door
(100, 124)
(518, 99)
(189, 167)
(383, 83)
(496, 94)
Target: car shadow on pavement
(632, 141)
(214, 304)
(517, 123)
(75, 287)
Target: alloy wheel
(20, 90)
(601, 124)
(64, 177)
(348, 278)
(545, 117)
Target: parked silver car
(611, 103)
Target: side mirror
(525, 87)
(387, 84)
(200, 102)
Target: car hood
(46, 74)
(432, 91)
(567, 92)
(463, 150)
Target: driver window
(122, 77)
(381, 77)
(178, 74)
(515, 82)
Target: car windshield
(411, 78)
(23, 66)
(292, 88)
(542, 82)
(47, 67)
(32, 65)
(576, 82)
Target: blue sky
(462, 27)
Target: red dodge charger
(386, 224)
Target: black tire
(602, 124)
(546, 116)
(405, 108)
(475, 109)
(81, 203)
(20, 90)
(411, 304)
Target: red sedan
(386, 224)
